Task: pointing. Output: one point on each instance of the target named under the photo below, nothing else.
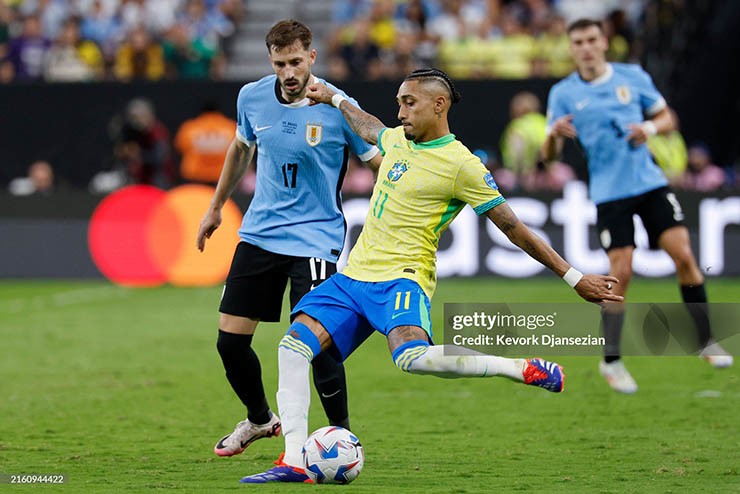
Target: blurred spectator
(139, 58)
(52, 14)
(511, 55)
(71, 58)
(702, 175)
(142, 146)
(669, 152)
(202, 143)
(520, 144)
(554, 51)
(359, 179)
(157, 16)
(382, 24)
(362, 55)
(415, 47)
(26, 52)
(40, 180)
(190, 58)
(619, 36)
(6, 17)
(101, 25)
(208, 27)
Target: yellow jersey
(420, 189)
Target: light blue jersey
(602, 109)
(301, 162)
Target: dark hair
(579, 24)
(439, 76)
(287, 32)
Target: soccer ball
(333, 455)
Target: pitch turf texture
(122, 390)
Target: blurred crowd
(508, 39)
(124, 40)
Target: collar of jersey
(603, 78)
(301, 102)
(436, 143)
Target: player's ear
(312, 56)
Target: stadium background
(120, 388)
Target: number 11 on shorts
(406, 300)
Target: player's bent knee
(301, 339)
(406, 354)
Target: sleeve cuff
(485, 207)
(243, 139)
(656, 107)
(369, 154)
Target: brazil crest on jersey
(420, 190)
(602, 109)
(301, 161)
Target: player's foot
(544, 374)
(717, 356)
(279, 473)
(618, 377)
(245, 434)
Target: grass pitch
(122, 390)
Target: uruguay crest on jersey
(313, 134)
(623, 94)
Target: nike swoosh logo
(332, 394)
(582, 104)
(400, 314)
(257, 129)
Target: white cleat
(716, 355)
(618, 377)
(245, 434)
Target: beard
(299, 88)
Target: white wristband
(572, 277)
(336, 100)
(648, 126)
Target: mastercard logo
(143, 236)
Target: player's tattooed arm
(592, 287)
(521, 236)
(365, 125)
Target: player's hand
(637, 135)
(597, 288)
(319, 93)
(563, 127)
(208, 225)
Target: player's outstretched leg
(418, 357)
(245, 376)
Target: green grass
(122, 390)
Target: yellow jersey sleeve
(474, 185)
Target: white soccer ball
(333, 455)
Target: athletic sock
(612, 328)
(695, 298)
(331, 384)
(475, 364)
(244, 373)
(293, 398)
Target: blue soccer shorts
(351, 310)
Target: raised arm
(591, 287)
(235, 165)
(365, 125)
(553, 146)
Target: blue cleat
(279, 473)
(544, 374)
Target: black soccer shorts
(658, 209)
(257, 280)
